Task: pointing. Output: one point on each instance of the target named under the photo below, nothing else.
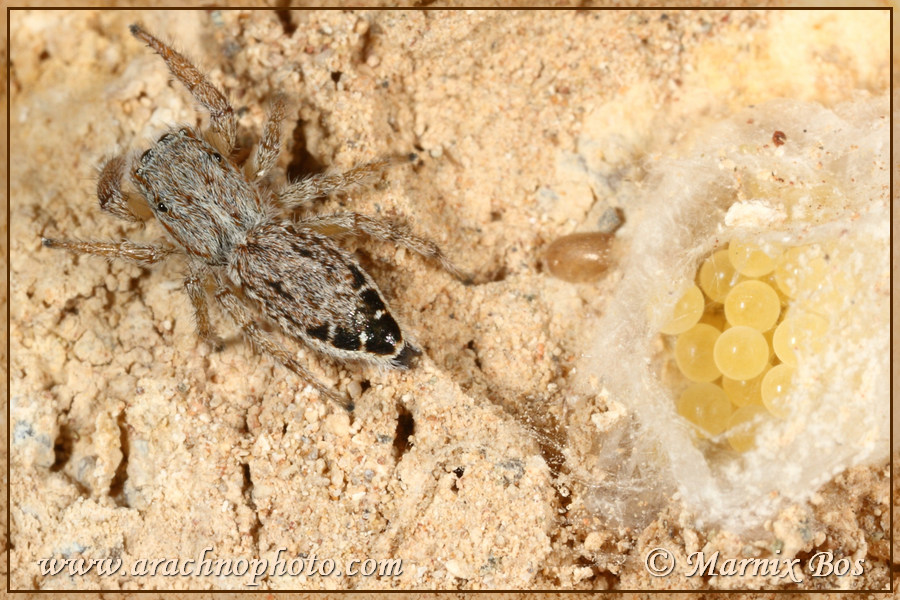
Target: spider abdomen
(319, 294)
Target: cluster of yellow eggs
(738, 334)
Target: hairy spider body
(227, 223)
(280, 262)
(203, 200)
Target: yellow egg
(742, 392)
(705, 405)
(754, 304)
(694, 353)
(717, 276)
(748, 259)
(800, 270)
(686, 313)
(743, 426)
(775, 389)
(788, 269)
(801, 332)
(741, 352)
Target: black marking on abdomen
(276, 285)
(373, 301)
(301, 250)
(383, 335)
(320, 332)
(345, 340)
(359, 279)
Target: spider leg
(270, 145)
(264, 342)
(193, 285)
(300, 193)
(223, 121)
(385, 231)
(142, 254)
(109, 190)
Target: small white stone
(755, 214)
(460, 571)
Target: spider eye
(217, 157)
(162, 208)
(147, 155)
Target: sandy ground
(130, 439)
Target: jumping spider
(235, 232)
